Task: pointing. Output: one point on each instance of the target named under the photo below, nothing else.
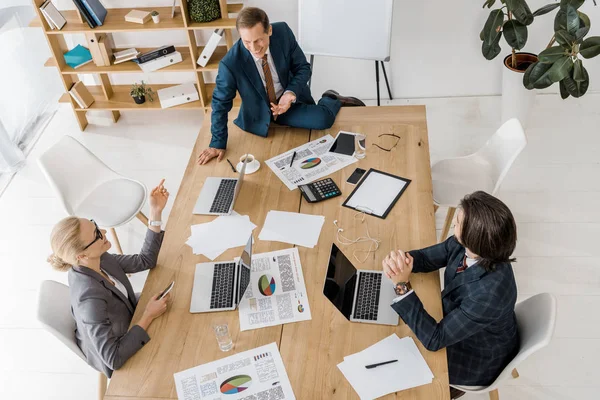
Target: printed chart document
(225, 232)
(291, 227)
(251, 375)
(277, 293)
(312, 162)
(409, 371)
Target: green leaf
(491, 29)
(515, 34)
(573, 3)
(567, 19)
(520, 11)
(552, 54)
(584, 20)
(564, 93)
(578, 71)
(489, 3)
(560, 69)
(590, 47)
(545, 9)
(564, 38)
(490, 51)
(575, 88)
(536, 76)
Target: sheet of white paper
(277, 292)
(410, 371)
(376, 193)
(312, 162)
(258, 373)
(294, 228)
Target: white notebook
(56, 19)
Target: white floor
(553, 190)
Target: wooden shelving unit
(115, 98)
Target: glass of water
(360, 146)
(223, 337)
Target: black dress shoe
(455, 393)
(346, 101)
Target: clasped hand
(397, 266)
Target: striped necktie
(463, 266)
(269, 80)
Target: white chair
(485, 170)
(88, 188)
(54, 313)
(536, 318)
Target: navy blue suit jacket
(237, 72)
(479, 328)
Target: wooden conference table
(311, 349)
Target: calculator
(320, 190)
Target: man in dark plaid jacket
(479, 328)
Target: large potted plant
(510, 21)
(561, 62)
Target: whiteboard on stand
(359, 29)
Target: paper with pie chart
(254, 374)
(277, 292)
(313, 161)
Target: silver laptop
(220, 286)
(218, 195)
(361, 296)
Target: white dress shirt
(274, 75)
(118, 284)
(470, 261)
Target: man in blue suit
(479, 327)
(269, 70)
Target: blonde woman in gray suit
(102, 298)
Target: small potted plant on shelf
(155, 17)
(139, 93)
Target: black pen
(293, 156)
(378, 364)
(232, 167)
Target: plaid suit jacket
(479, 328)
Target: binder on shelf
(138, 17)
(83, 11)
(105, 45)
(81, 95)
(78, 57)
(210, 47)
(96, 10)
(177, 95)
(162, 62)
(54, 18)
(154, 54)
(94, 46)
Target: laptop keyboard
(224, 196)
(367, 299)
(222, 287)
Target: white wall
(435, 49)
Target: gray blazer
(103, 313)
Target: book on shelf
(93, 42)
(138, 17)
(106, 48)
(125, 55)
(96, 10)
(78, 57)
(81, 95)
(84, 12)
(54, 18)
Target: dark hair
(250, 16)
(488, 229)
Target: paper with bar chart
(277, 293)
(252, 374)
(312, 161)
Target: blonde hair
(66, 244)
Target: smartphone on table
(166, 291)
(356, 175)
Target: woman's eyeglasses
(388, 134)
(98, 235)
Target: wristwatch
(402, 288)
(154, 223)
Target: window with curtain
(29, 92)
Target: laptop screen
(340, 281)
(244, 271)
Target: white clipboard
(377, 193)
